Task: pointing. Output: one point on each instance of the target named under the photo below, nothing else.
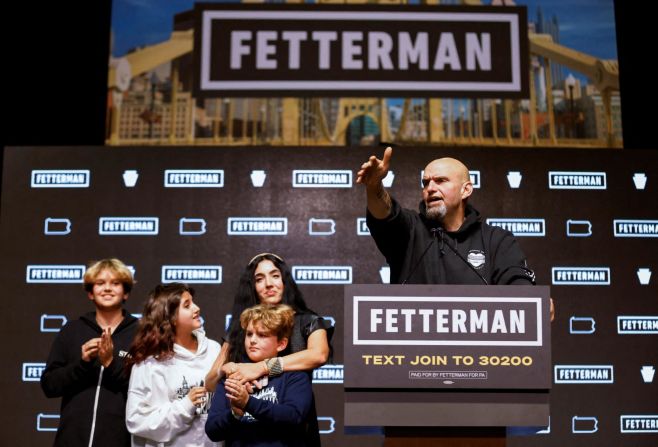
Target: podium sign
(447, 336)
(489, 343)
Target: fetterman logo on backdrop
(197, 274)
(639, 423)
(584, 374)
(576, 180)
(304, 178)
(307, 274)
(520, 227)
(128, 226)
(628, 324)
(194, 178)
(635, 228)
(576, 276)
(32, 371)
(475, 178)
(257, 226)
(67, 178)
(55, 274)
(328, 374)
(362, 227)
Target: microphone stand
(439, 230)
(413, 270)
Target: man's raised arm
(371, 174)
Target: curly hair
(277, 319)
(246, 297)
(156, 332)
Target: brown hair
(156, 332)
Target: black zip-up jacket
(77, 382)
(420, 251)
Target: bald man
(446, 242)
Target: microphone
(439, 230)
(413, 270)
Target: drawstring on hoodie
(93, 419)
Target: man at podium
(446, 241)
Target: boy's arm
(221, 423)
(65, 370)
(293, 406)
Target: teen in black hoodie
(86, 363)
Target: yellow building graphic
(150, 102)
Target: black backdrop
(26, 209)
(56, 94)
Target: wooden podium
(446, 365)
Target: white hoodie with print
(158, 412)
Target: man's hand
(374, 170)
(106, 348)
(371, 174)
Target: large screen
(542, 73)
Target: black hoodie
(420, 251)
(77, 383)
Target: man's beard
(436, 213)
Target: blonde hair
(277, 319)
(115, 266)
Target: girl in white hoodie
(170, 356)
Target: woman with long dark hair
(267, 280)
(167, 401)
